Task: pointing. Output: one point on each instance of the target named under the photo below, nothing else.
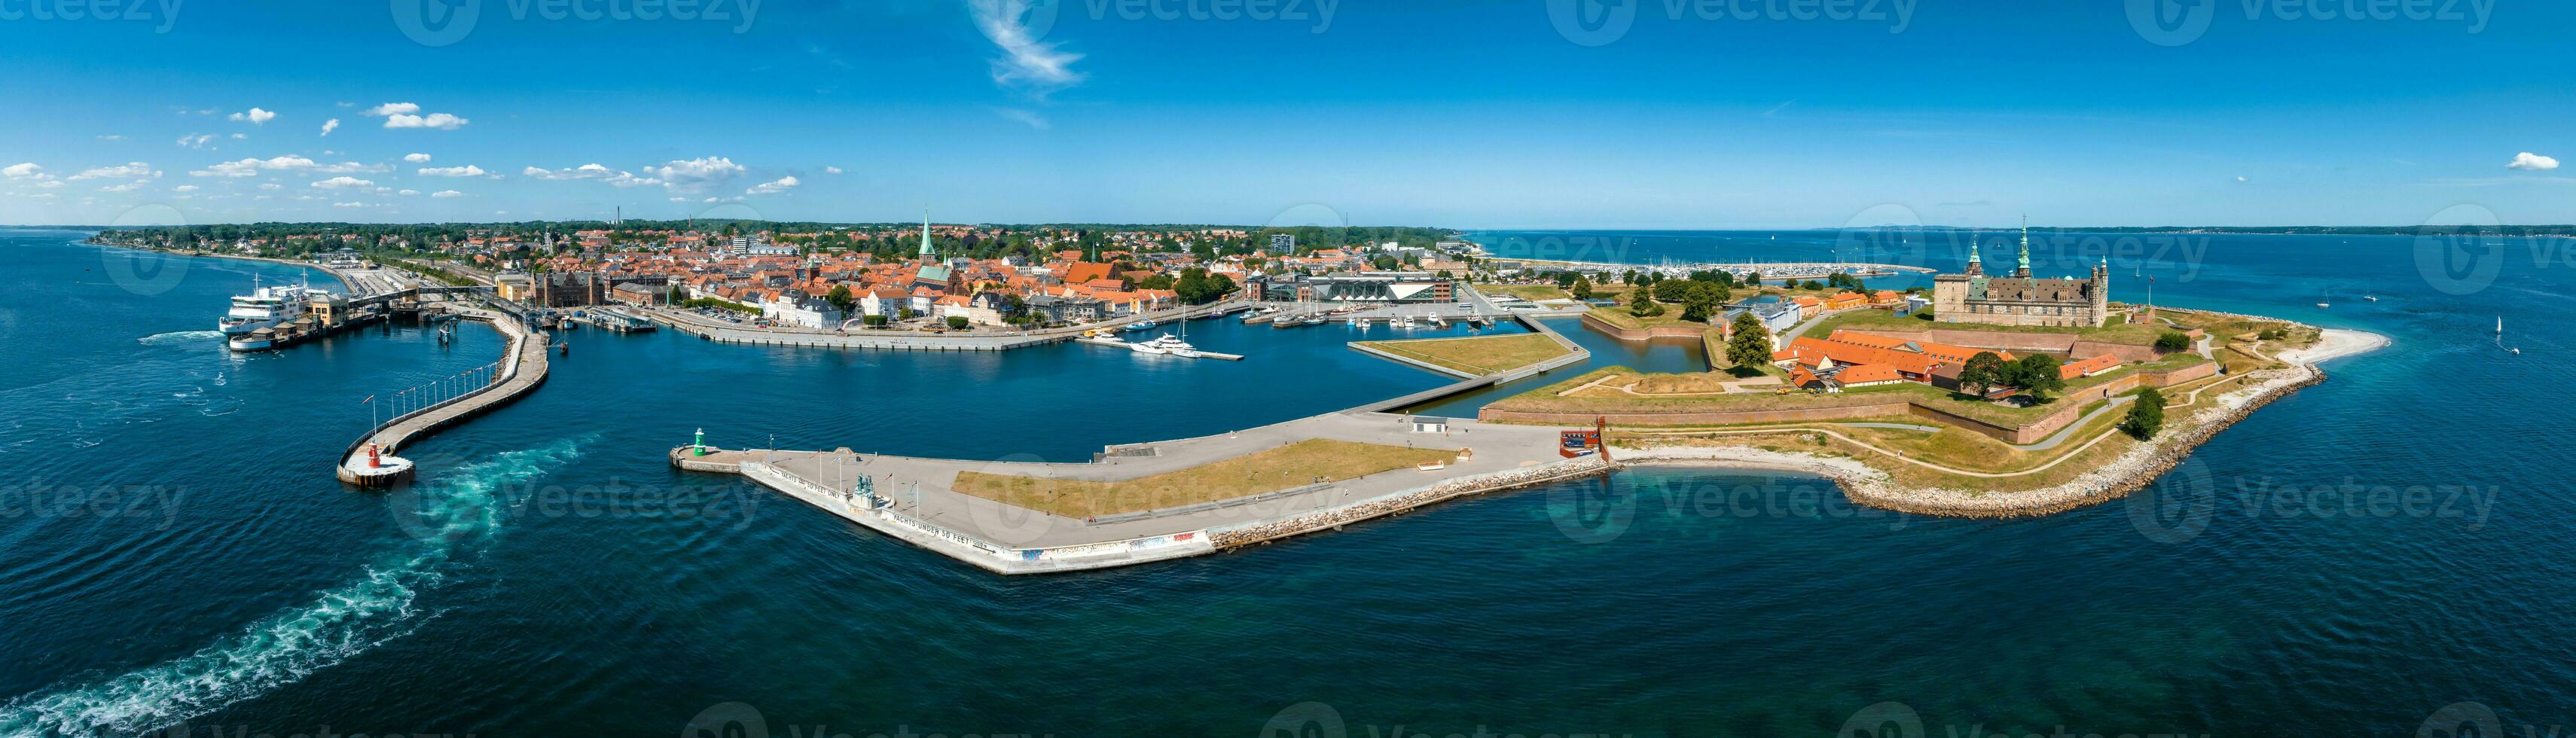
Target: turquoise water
(552, 576)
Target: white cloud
(679, 199)
(2531, 162)
(440, 121)
(271, 186)
(134, 169)
(1025, 62)
(468, 170)
(386, 109)
(127, 187)
(409, 193)
(29, 170)
(447, 193)
(184, 188)
(290, 162)
(196, 141)
(417, 158)
(686, 175)
(342, 183)
(2240, 179)
(348, 204)
(111, 137)
(255, 116)
(779, 185)
(618, 177)
(241, 136)
(330, 125)
(831, 170)
(50, 184)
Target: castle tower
(1976, 266)
(2022, 269)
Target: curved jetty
(369, 461)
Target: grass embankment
(1619, 316)
(1866, 320)
(1531, 292)
(1480, 355)
(1610, 398)
(1293, 465)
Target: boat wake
(176, 338)
(459, 510)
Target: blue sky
(1469, 114)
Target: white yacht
(1166, 344)
(265, 307)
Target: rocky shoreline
(2132, 471)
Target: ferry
(259, 339)
(265, 307)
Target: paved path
(523, 368)
(923, 487)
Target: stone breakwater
(2135, 469)
(1258, 532)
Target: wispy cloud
(1029, 117)
(1028, 62)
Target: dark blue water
(552, 576)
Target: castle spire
(1976, 264)
(2022, 269)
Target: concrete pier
(523, 367)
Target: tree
(1701, 300)
(1582, 288)
(2172, 341)
(873, 321)
(2146, 415)
(957, 322)
(1982, 372)
(1642, 304)
(1750, 347)
(840, 298)
(2036, 375)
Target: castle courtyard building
(2021, 299)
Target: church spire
(926, 253)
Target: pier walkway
(915, 498)
(523, 367)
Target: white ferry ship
(265, 307)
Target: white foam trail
(463, 508)
(179, 337)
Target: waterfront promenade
(894, 340)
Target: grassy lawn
(1293, 465)
(1864, 320)
(1479, 355)
(1608, 399)
(1619, 316)
(1525, 291)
